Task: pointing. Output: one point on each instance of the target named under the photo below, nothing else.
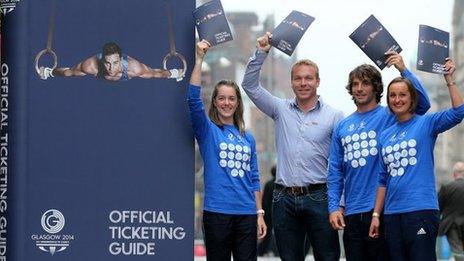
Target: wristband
(449, 84)
(260, 211)
(375, 214)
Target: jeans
(298, 217)
(358, 245)
(226, 234)
(412, 235)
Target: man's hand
(337, 220)
(374, 228)
(263, 42)
(262, 228)
(45, 72)
(395, 59)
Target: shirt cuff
(258, 56)
(405, 73)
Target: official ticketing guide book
(289, 32)
(211, 23)
(374, 40)
(432, 49)
(97, 151)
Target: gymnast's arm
(88, 66)
(138, 69)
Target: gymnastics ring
(178, 56)
(40, 54)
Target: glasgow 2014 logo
(52, 222)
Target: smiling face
(365, 87)
(400, 100)
(226, 103)
(305, 81)
(363, 93)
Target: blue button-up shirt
(302, 138)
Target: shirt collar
(318, 105)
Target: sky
(327, 43)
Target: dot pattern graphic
(357, 147)
(235, 157)
(399, 156)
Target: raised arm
(201, 49)
(197, 109)
(446, 119)
(396, 60)
(455, 96)
(264, 100)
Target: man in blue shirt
(303, 128)
(353, 161)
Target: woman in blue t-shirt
(406, 191)
(232, 216)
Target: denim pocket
(277, 195)
(318, 195)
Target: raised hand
(264, 42)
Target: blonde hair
(307, 63)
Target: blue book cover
(289, 32)
(97, 152)
(432, 49)
(211, 23)
(374, 40)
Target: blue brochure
(289, 32)
(211, 23)
(374, 40)
(432, 49)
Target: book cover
(97, 152)
(211, 23)
(374, 40)
(432, 49)
(289, 32)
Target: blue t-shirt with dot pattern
(406, 160)
(230, 163)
